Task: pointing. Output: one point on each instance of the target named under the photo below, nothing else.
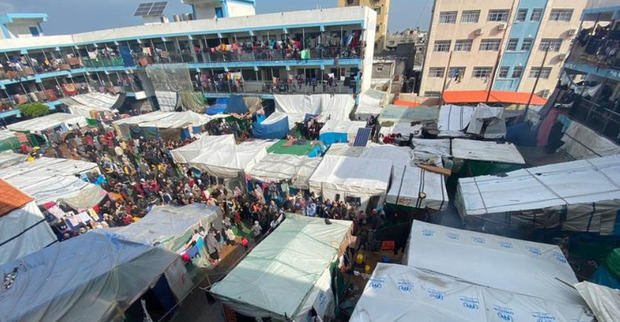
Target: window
(561, 14)
(544, 72)
(377, 28)
(447, 17)
(436, 71)
(517, 71)
(482, 72)
(498, 15)
(378, 10)
(544, 93)
(34, 31)
(521, 15)
(432, 94)
(527, 44)
(456, 72)
(489, 44)
(463, 45)
(470, 16)
(503, 71)
(442, 45)
(219, 12)
(512, 44)
(551, 43)
(536, 14)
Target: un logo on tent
(428, 232)
(376, 284)
(435, 294)
(535, 251)
(470, 303)
(559, 257)
(478, 240)
(452, 235)
(405, 286)
(505, 244)
(504, 316)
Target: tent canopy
(226, 161)
(340, 131)
(277, 277)
(188, 152)
(285, 167)
(167, 225)
(588, 189)
(404, 114)
(9, 158)
(370, 104)
(50, 179)
(486, 151)
(85, 103)
(50, 121)
(71, 281)
(404, 293)
(581, 142)
(603, 301)
(166, 120)
(326, 106)
(481, 120)
(351, 177)
(414, 187)
(276, 126)
(504, 97)
(507, 264)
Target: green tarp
(295, 149)
(613, 262)
(193, 101)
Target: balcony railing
(604, 120)
(260, 87)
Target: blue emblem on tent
(505, 244)
(405, 286)
(504, 313)
(376, 283)
(479, 240)
(452, 235)
(544, 317)
(428, 232)
(435, 294)
(470, 303)
(535, 251)
(559, 257)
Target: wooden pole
(529, 100)
(445, 79)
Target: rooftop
(11, 198)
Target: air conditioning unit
(571, 32)
(561, 57)
(478, 31)
(501, 26)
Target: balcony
(264, 87)
(600, 50)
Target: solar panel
(143, 9)
(363, 134)
(158, 8)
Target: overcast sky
(70, 16)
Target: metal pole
(445, 79)
(486, 101)
(536, 81)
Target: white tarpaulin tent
(6, 134)
(50, 179)
(226, 161)
(328, 107)
(486, 151)
(50, 121)
(285, 167)
(581, 142)
(370, 104)
(92, 277)
(403, 293)
(587, 191)
(166, 120)
(23, 229)
(147, 117)
(603, 301)
(351, 177)
(453, 120)
(9, 158)
(434, 149)
(342, 126)
(85, 103)
(287, 274)
(513, 265)
(205, 143)
(414, 187)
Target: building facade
(382, 7)
(279, 53)
(472, 37)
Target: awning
(405, 103)
(507, 97)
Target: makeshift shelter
(59, 122)
(324, 106)
(413, 187)
(288, 274)
(581, 142)
(219, 107)
(581, 195)
(370, 104)
(276, 126)
(92, 277)
(285, 167)
(404, 293)
(226, 161)
(352, 178)
(165, 124)
(236, 104)
(337, 131)
(603, 301)
(487, 122)
(90, 104)
(8, 141)
(431, 149)
(205, 143)
(50, 179)
(507, 264)
(453, 120)
(488, 151)
(171, 227)
(23, 228)
(403, 114)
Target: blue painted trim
(594, 70)
(13, 112)
(10, 16)
(225, 9)
(206, 33)
(5, 31)
(600, 10)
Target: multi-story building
(288, 52)
(382, 7)
(469, 38)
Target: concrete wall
(370, 21)
(21, 29)
(237, 9)
(382, 7)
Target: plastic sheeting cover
(225, 161)
(280, 167)
(92, 277)
(581, 142)
(370, 104)
(277, 276)
(487, 122)
(486, 151)
(602, 300)
(9, 158)
(401, 114)
(402, 293)
(188, 152)
(40, 124)
(276, 126)
(328, 107)
(410, 181)
(453, 119)
(503, 263)
(23, 231)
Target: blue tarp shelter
(221, 104)
(236, 104)
(274, 127)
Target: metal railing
(601, 119)
(260, 87)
